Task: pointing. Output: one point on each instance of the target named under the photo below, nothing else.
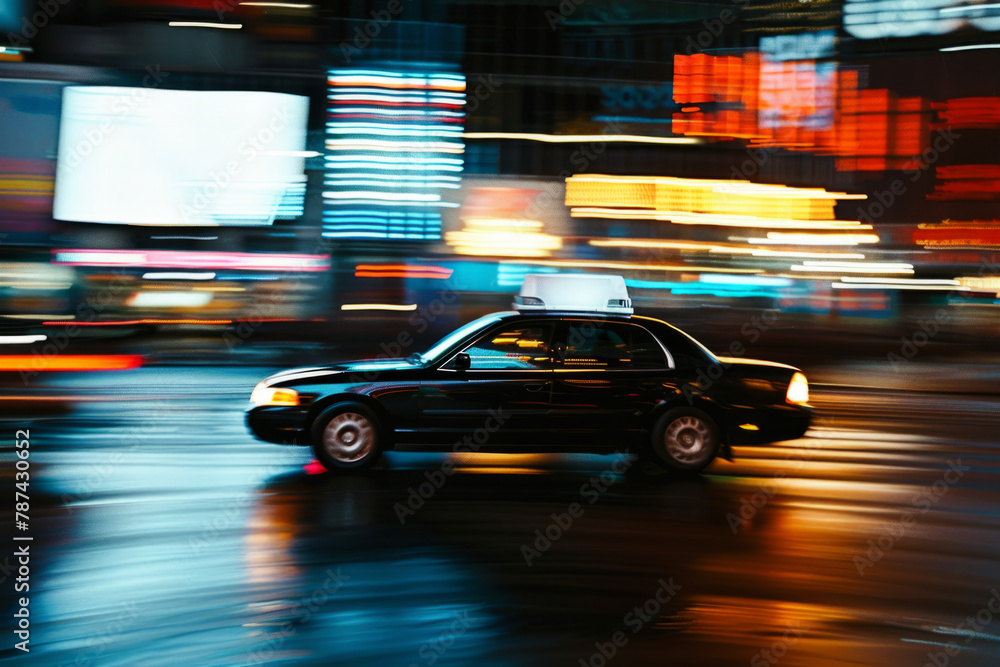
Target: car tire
(685, 439)
(347, 436)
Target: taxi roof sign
(581, 292)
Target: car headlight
(798, 390)
(264, 395)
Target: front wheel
(686, 439)
(347, 436)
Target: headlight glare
(798, 390)
(263, 395)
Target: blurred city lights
(969, 47)
(401, 271)
(22, 340)
(69, 362)
(897, 286)
(818, 266)
(781, 238)
(971, 112)
(705, 202)
(631, 266)
(694, 246)
(957, 235)
(379, 306)
(881, 19)
(280, 5)
(169, 299)
(502, 237)
(178, 275)
(169, 259)
(203, 24)
(899, 281)
(401, 177)
(69, 321)
(582, 138)
(967, 181)
(980, 283)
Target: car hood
(738, 361)
(359, 366)
(756, 369)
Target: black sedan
(538, 382)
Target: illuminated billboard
(797, 94)
(28, 136)
(393, 150)
(143, 156)
(802, 46)
(879, 19)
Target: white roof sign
(582, 292)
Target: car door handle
(536, 386)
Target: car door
(503, 398)
(608, 376)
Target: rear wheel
(347, 436)
(686, 439)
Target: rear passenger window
(599, 344)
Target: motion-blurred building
(194, 161)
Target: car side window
(618, 345)
(523, 347)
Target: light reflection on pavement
(166, 535)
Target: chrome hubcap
(349, 437)
(688, 439)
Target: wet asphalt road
(163, 534)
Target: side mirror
(462, 361)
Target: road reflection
(166, 536)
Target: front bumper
(774, 424)
(277, 425)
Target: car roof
(574, 314)
(513, 315)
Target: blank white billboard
(143, 156)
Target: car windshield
(442, 346)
